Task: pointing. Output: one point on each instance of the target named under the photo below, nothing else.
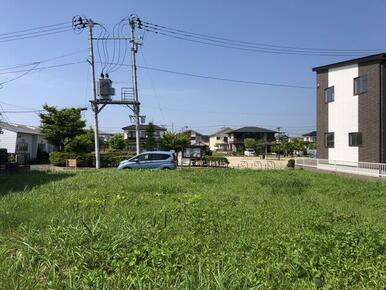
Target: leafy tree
(150, 140)
(60, 126)
(117, 142)
(82, 143)
(173, 141)
(298, 144)
(249, 143)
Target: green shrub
(80, 144)
(291, 163)
(216, 161)
(109, 159)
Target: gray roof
(143, 127)
(310, 134)
(375, 57)
(222, 131)
(252, 130)
(20, 128)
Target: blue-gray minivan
(150, 160)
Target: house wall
(370, 114)
(322, 115)
(31, 141)
(8, 140)
(213, 141)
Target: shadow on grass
(25, 181)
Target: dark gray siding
(322, 114)
(369, 118)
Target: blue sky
(179, 101)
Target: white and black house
(351, 110)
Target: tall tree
(173, 141)
(150, 140)
(117, 142)
(60, 126)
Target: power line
(5, 68)
(19, 76)
(35, 28)
(44, 67)
(36, 35)
(264, 46)
(226, 79)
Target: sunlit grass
(191, 229)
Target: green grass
(191, 229)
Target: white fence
(359, 168)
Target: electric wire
(255, 44)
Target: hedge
(216, 161)
(110, 159)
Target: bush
(291, 163)
(3, 156)
(80, 144)
(42, 156)
(216, 161)
(117, 142)
(110, 159)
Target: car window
(158, 156)
(143, 157)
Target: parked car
(249, 152)
(150, 160)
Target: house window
(225, 139)
(22, 147)
(360, 85)
(329, 94)
(355, 139)
(218, 137)
(329, 140)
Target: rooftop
(310, 134)
(222, 131)
(252, 130)
(143, 127)
(20, 128)
(370, 58)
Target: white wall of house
(343, 112)
(8, 140)
(216, 140)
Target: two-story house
(23, 141)
(196, 138)
(218, 141)
(261, 135)
(129, 134)
(351, 110)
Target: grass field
(191, 229)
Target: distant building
(23, 141)
(197, 138)
(129, 135)
(261, 135)
(351, 110)
(309, 137)
(218, 141)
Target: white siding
(8, 141)
(343, 112)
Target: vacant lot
(191, 229)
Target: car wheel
(166, 168)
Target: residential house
(310, 137)
(351, 110)
(197, 138)
(218, 141)
(261, 135)
(23, 141)
(130, 136)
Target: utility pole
(134, 48)
(94, 104)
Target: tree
(173, 141)
(82, 143)
(298, 144)
(116, 142)
(150, 140)
(249, 143)
(60, 126)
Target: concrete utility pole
(94, 104)
(134, 48)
